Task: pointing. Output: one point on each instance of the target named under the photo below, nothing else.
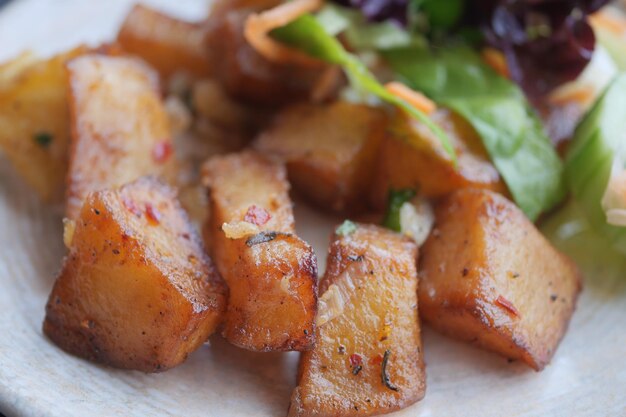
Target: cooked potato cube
(211, 102)
(166, 43)
(412, 157)
(120, 129)
(221, 7)
(489, 277)
(329, 151)
(272, 274)
(368, 354)
(245, 74)
(34, 120)
(136, 290)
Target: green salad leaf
(457, 78)
(335, 19)
(599, 146)
(308, 35)
(439, 14)
(569, 230)
(361, 34)
(395, 201)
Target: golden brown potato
(166, 43)
(211, 102)
(137, 290)
(220, 7)
(34, 120)
(329, 150)
(120, 129)
(368, 354)
(488, 276)
(412, 157)
(245, 74)
(271, 273)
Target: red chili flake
(257, 215)
(131, 206)
(376, 360)
(162, 151)
(507, 305)
(152, 214)
(356, 363)
(355, 360)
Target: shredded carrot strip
(576, 94)
(496, 60)
(259, 25)
(415, 98)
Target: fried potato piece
(245, 74)
(166, 43)
(271, 273)
(488, 276)
(34, 120)
(412, 157)
(368, 355)
(329, 150)
(120, 129)
(137, 290)
(220, 7)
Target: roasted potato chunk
(329, 150)
(166, 43)
(34, 120)
(488, 276)
(120, 130)
(271, 273)
(245, 74)
(368, 354)
(412, 157)
(137, 290)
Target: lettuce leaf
(569, 230)
(363, 35)
(457, 78)
(308, 35)
(599, 147)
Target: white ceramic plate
(587, 377)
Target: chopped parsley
(384, 376)
(262, 237)
(43, 139)
(395, 201)
(346, 228)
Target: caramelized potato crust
(34, 120)
(412, 157)
(329, 150)
(246, 74)
(368, 355)
(271, 273)
(137, 290)
(166, 43)
(488, 276)
(120, 130)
